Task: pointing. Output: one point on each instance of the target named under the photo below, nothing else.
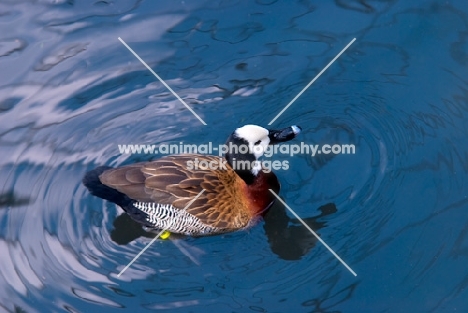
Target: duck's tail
(97, 188)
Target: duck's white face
(256, 137)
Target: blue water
(395, 211)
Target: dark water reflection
(395, 211)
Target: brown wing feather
(128, 180)
(168, 181)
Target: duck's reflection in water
(288, 238)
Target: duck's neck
(257, 182)
(241, 160)
(260, 197)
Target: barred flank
(166, 216)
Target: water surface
(395, 211)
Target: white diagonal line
(162, 81)
(160, 233)
(313, 233)
(313, 80)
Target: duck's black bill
(283, 135)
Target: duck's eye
(257, 143)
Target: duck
(171, 194)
